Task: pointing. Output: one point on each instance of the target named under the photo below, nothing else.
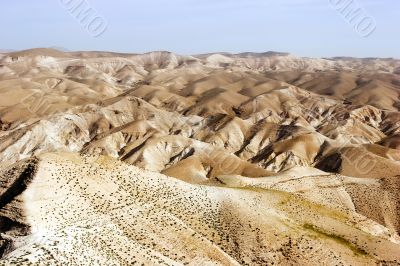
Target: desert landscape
(211, 159)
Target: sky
(312, 28)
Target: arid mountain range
(212, 159)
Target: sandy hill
(101, 211)
(247, 142)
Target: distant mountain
(59, 48)
(6, 50)
(269, 53)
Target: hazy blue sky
(302, 27)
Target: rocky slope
(95, 210)
(251, 133)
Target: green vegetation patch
(339, 239)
